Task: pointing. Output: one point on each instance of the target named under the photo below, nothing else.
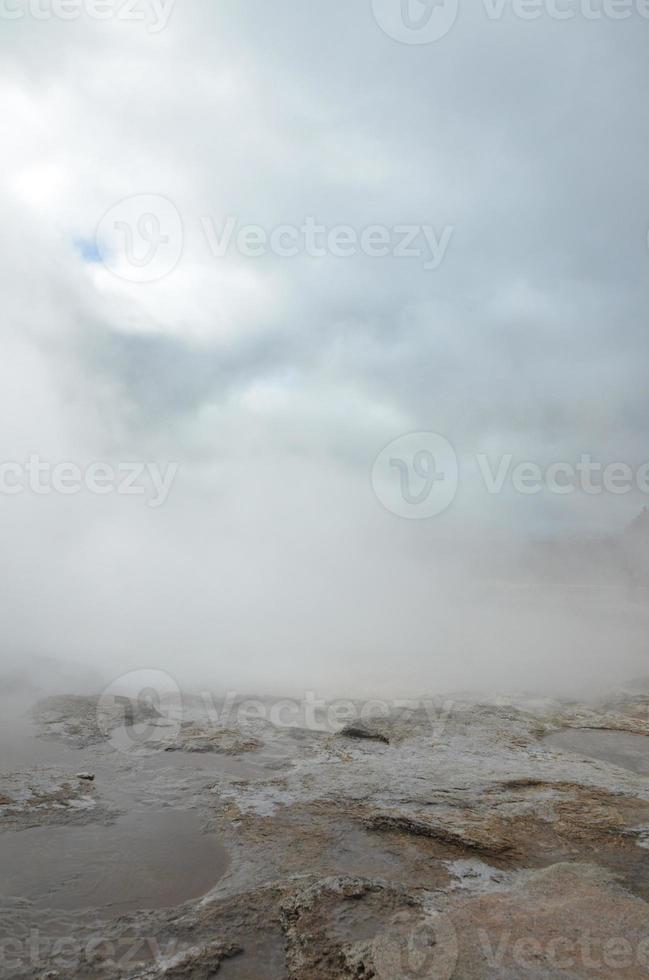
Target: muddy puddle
(153, 856)
(20, 746)
(619, 748)
(145, 860)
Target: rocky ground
(459, 840)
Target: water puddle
(146, 860)
(622, 749)
(20, 746)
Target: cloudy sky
(510, 152)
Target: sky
(478, 277)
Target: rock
(198, 739)
(86, 721)
(329, 926)
(610, 721)
(199, 963)
(569, 920)
(365, 732)
(86, 776)
(477, 837)
(472, 849)
(46, 797)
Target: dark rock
(365, 732)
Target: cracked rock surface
(478, 839)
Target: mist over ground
(271, 384)
(386, 623)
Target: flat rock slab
(565, 921)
